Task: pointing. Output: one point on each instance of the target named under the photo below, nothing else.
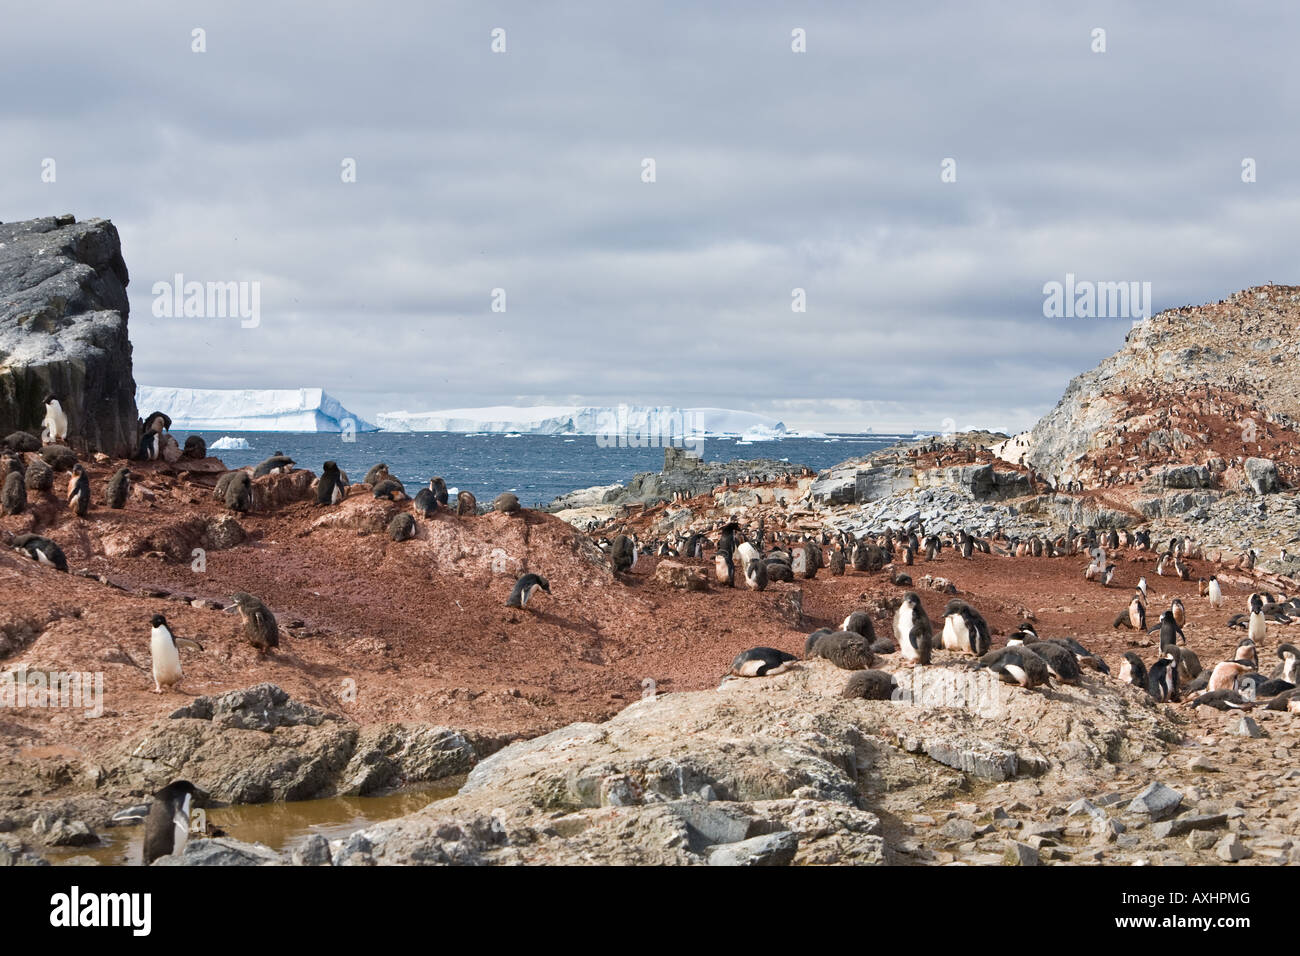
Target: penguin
(724, 569)
(1134, 616)
(964, 629)
(425, 502)
(859, 622)
(79, 491)
(1162, 680)
(13, 493)
(1108, 575)
(623, 553)
(727, 539)
(761, 662)
(118, 489)
(239, 492)
(164, 648)
(54, 428)
(150, 448)
(1142, 587)
(402, 527)
(40, 476)
(1133, 671)
(1221, 700)
(1169, 630)
(439, 489)
(260, 627)
(1060, 660)
(466, 504)
(196, 448)
(912, 630)
(1257, 630)
(844, 649)
(389, 488)
(158, 422)
(277, 464)
(870, 685)
(525, 588)
(756, 574)
(42, 550)
(1225, 674)
(1085, 657)
(1247, 653)
(167, 827)
(1179, 612)
(836, 563)
(745, 552)
(329, 489)
(1189, 665)
(376, 474)
(1259, 687)
(1289, 667)
(1016, 665)
(811, 643)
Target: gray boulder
(1261, 474)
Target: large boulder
(1261, 474)
(63, 330)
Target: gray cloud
(775, 171)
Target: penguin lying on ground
(275, 465)
(761, 662)
(844, 649)
(1016, 665)
(870, 685)
(41, 549)
(525, 588)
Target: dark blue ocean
(537, 468)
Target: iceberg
(648, 421)
(250, 409)
(230, 444)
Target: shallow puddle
(281, 826)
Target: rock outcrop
(63, 330)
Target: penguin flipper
(187, 643)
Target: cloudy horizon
(774, 171)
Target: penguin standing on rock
(239, 492)
(913, 631)
(79, 491)
(151, 444)
(965, 630)
(525, 588)
(756, 574)
(164, 648)
(118, 488)
(466, 504)
(623, 553)
(1162, 680)
(376, 474)
(426, 501)
(196, 448)
(329, 489)
(167, 827)
(1133, 671)
(260, 627)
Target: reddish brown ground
(421, 629)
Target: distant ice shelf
(250, 409)
(615, 421)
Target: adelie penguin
(1016, 665)
(167, 827)
(79, 491)
(525, 588)
(1133, 671)
(260, 628)
(277, 464)
(761, 662)
(151, 445)
(623, 553)
(426, 501)
(913, 631)
(1169, 630)
(329, 489)
(42, 550)
(724, 569)
(164, 648)
(1162, 680)
(965, 630)
(54, 427)
(118, 489)
(13, 492)
(402, 527)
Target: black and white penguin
(54, 428)
(525, 588)
(623, 553)
(1134, 616)
(1016, 664)
(1258, 687)
(118, 488)
(1222, 700)
(1226, 673)
(167, 827)
(150, 448)
(870, 685)
(844, 649)
(1133, 671)
(389, 488)
(1169, 630)
(724, 569)
(1288, 669)
(965, 630)
(41, 549)
(761, 662)
(277, 464)
(1247, 653)
(329, 489)
(402, 527)
(164, 648)
(1060, 660)
(1256, 629)
(79, 491)
(1162, 680)
(859, 622)
(756, 574)
(425, 502)
(912, 630)
(260, 627)
(1179, 611)
(158, 422)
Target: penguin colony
(751, 558)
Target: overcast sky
(775, 170)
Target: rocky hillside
(63, 318)
(1190, 385)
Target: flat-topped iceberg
(250, 409)
(617, 420)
